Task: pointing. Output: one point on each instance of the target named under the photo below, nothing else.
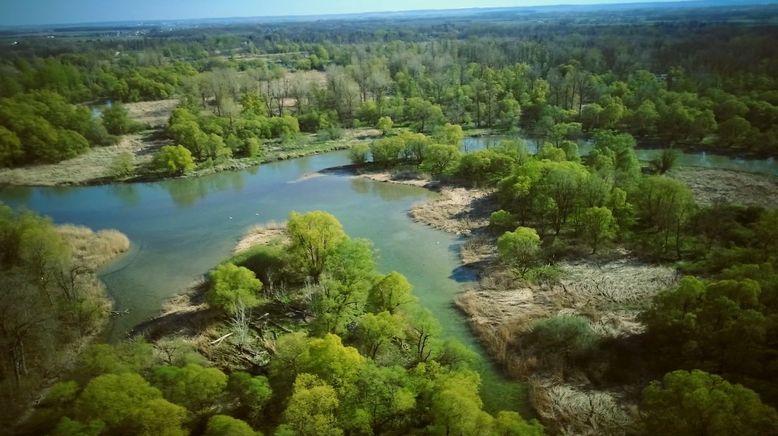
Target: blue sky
(24, 12)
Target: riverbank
(94, 166)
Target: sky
(27, 12)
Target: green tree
(116, 119)
(695, 402)
(313, 235)
(233, 288)
(173, 159)
(440, 159)
(223, 425)
(359, 153)
(311, 409)
(667, 206)
(390, 293)
(519, 249)
(192, 386)
(598, 226)
(450, 134)
(375, 331)
(385, 125)
(128, 404)
(254, 393)
(558, 341)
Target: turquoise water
(181, 228)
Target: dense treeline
(677, 83)
(370, 360)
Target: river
(181, 228)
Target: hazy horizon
(47, 12)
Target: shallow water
(181, 228)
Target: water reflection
(188, 192)
(385, 191)
(127, 194)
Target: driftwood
(219, 341)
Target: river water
(181, 228)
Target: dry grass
(576, 411)
(458, 210)
(90, 166)
(155, 114)
(261, 234)
(711, 185)
(94, 249)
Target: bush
(330, 134)
(173, 159)
(122, 165)
(359, 154)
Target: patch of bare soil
(154, 114)
(261, 234)
(712, 185)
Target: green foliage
(666, 206)
(116, 119)
(173, 159)
(233, 288)
(440, 159)
(502, 220)
(695, 402)
(122, 165)
(223, 425)
(390, 293)
(559, 341)
(42, 127)
(384, 125)
(128, 404)
(192, 386)
(311, 410)
(484, 167)
(359, 154)
(313, 235)
(450, 134)
(253, 392)
(519, 249)
(375, 331)
(598, 226)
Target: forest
(303, 333)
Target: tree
(665, 162)
(695, 402)
(173, 159)
(390, 293)
(598, 226)
(450, 134)
(223, 425)
(254, 392)
(440, 158)
(519, 249)
(128, 404)
(384, 125)
(192, 386)
(666, 205)
(374, 331)
(512, 424)
(349, 270)
(313, 235)
(387, 150)
(456, 406)
(116, 119)
(311, 409)
(233, 288)
(359, 153)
